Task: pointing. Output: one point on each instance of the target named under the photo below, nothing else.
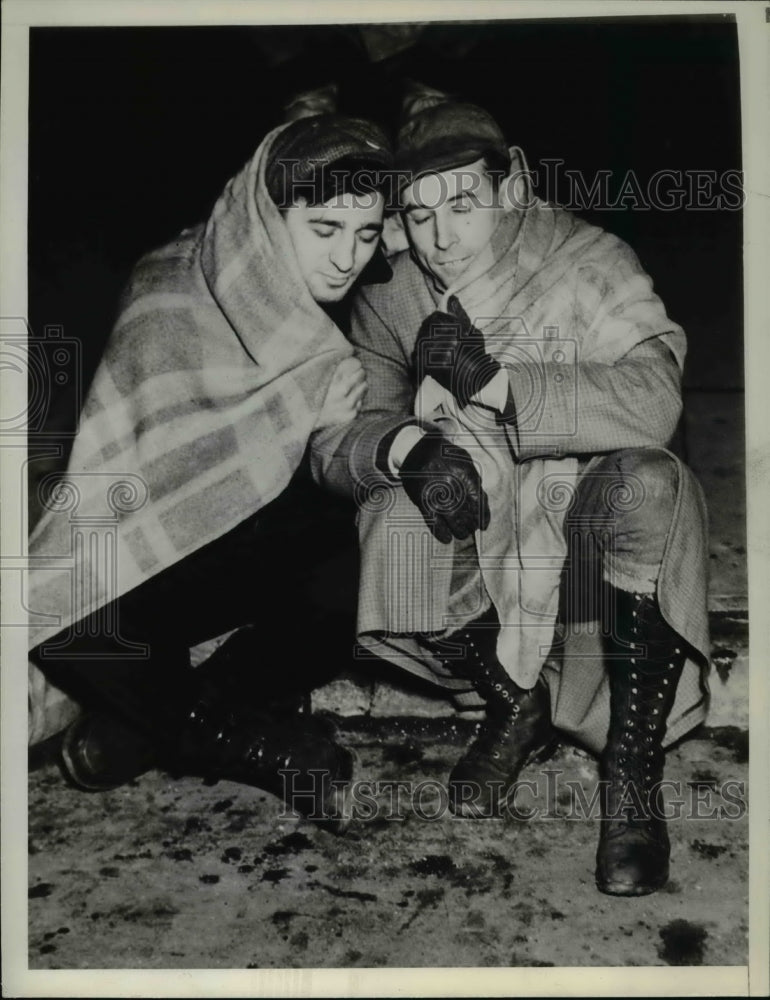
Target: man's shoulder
(599, 247)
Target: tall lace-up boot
(300, 760)
(517, 729)
(207, 728)
(645, 658)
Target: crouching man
(224, 361)
(524, 532)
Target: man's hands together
(442, 481)
(452, 350)
(345, 394)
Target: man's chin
(327, 296)
(442, 275)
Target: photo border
(750, 980)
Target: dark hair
(321, 156)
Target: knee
(644, 479)
(656, 469)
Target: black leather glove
(441, 479)
(451, 350)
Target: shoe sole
(629, 888)
(69, 764)
(620, 887)
(70, 767)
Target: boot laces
(229, 736)
(495, 733)
(503, 707)
(650, 695)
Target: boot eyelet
(633, 708)
(665, 681)
(655, 711)
(496, 755)
(677, 650)
(634, 691)
(660, 694)
(633, 677)
(498, 687)
(633, 660)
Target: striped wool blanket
(199, 413)
(555, 290)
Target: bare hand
(345, 395)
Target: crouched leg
(634, 498)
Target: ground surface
(182, 875)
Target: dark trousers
(289, 572)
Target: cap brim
(439, 162)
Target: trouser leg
(625, 507)
(259, 572)
(155, 709)
(619, 524)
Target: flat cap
(309, 145)
(448, 135)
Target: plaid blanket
(544, 306)
(200, 411)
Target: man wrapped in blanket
(525, 534)
(223, 362)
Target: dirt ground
(163, 874)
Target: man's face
(335, 241)
(450, 218)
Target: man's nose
(445, 234)
(343, 253)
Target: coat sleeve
(614, 397)
(343, 457)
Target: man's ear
(516, 190)
(394, 238)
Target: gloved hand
(441, 479)
(451, 350)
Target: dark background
(134, 132)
